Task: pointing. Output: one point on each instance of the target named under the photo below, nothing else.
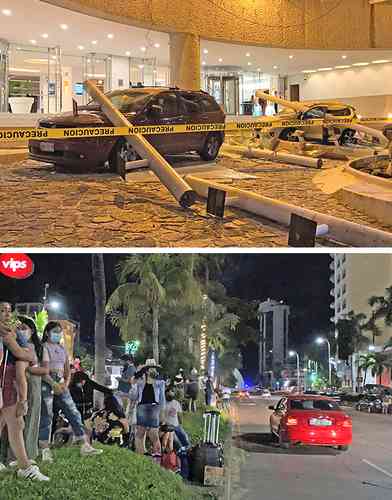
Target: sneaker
(47, 455)
(15, 463)
(2, 467)
(32, 473)
(87, 450)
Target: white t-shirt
(172, 409)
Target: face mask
(22, 337)
(56, 337)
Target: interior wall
(368, 88)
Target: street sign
(16, 265)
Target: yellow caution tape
(26, 133)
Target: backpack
(170, 461)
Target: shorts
(10, 395)
(147, 415)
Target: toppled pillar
(182, 192)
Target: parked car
(310, 420)
(371, 403)
(142, 106)
(240, 394)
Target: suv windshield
(313, 404)
(127, 101)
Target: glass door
(231, 101)
(98, 69)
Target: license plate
(48, 147)
(321, 422)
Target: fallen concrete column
(165, 172)
(340, 230)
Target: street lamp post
(321, 340)
(291, 354)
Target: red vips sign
(16, 265)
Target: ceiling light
(45, 35)
(361, 64)
(325, 69)
(220, 60)
(381, 61)
(259, 69)
(141, 66)
(249, 63)
(291, 57)
(25, 70)
(64, 26)
(275, 67)
(80, 47)
(203, 63)
(247, 54)
(344, 56)
(344, 66)
(6, 12)
(309, 71)
(205, 51)
(157, 45)
(33, 42)
(94, 42)
(143, 49)
(127, 53)
(111, 36)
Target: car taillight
(347, 422)
(291, 421)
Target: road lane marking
(377, 468)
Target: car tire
(119, 156)
(344, 447)
(287, 135)
(347, 137)
(211, 147)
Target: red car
(310, 420)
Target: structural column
(185, 61)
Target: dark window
(189, 103)
(314, 114)
(339, 112)
(209, 104)
(168, 103)
(313, 404)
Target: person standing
(10, 416)
(193, 390)
(55, 389)
(149, 392)
(124, 383)
(209, 390)
(276, 105)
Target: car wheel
(287, 135)
(347, 138)
(344, 447)
(211, 147)
(121, 153)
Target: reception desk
(21, 104)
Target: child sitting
(173, 417)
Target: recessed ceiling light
(205, 51)
(344, 56)
(127, 53)
(381, 61)
(89, 60)
(258, 69)
(203, 63)
(141, 66)
(33, 42)
(157, 45)
(361, 64)
(94, 42)
(309, 71)
(291, 56)
(275, 67)
(6, 12)
(45, 35)
(247, 54)
(80, 47)
(220, 60)
(64, 26)
(343, 66)
(325, 69)
(111, 36)
(249, 63)
(143, 49)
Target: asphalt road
(262, 470)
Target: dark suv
(141, 106)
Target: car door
(189, 103)
(164, 109)
(277, 415)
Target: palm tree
(380, 363)
(366, 362)
(372, 326)
(383, 306)
(351, 336)
(156, 281)
(99, 285)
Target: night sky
(300, 280)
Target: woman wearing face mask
(10, 411)
(55, 389)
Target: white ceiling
(30, 19)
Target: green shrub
(116, 474)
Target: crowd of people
(47, 401)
